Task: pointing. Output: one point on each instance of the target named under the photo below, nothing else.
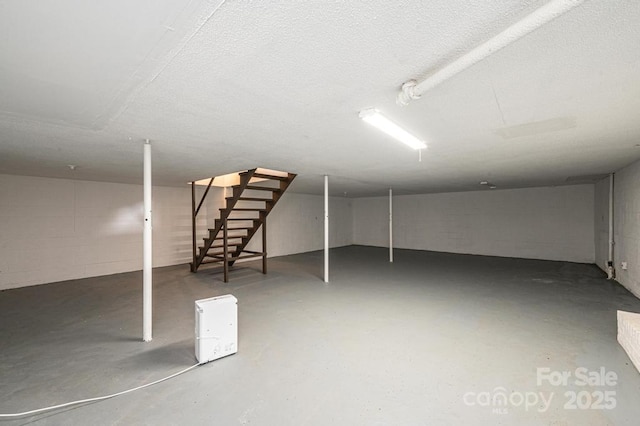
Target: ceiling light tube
(376, 119)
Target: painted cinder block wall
(296, 225)
(551, 223)
(626, 218)
(57, 229)
(601, 223)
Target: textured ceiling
(224, 86)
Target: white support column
(146, 249)
(390, 225)
(326, 229)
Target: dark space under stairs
(246, 211)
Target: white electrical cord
(99, 398)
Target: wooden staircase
(246, 211)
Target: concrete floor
(382, 344)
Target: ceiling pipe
(611, 270)
(414, 89)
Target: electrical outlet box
(216, 328)
(623, 265)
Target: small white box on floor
(216, 328)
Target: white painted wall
(296, 224)
(56, 229)
(626, 216)
(555, 223)
(601, 223)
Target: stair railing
(194, 215)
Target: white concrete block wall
(371, 221)
(56, 229)
(601, 223)
(210, 209)
(80, 229)
(37, 228)
(555, 223)
(627, 226)
(296, 224)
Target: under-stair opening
(249, 197)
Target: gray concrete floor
(382, 344)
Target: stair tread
(220, 256)
(268, 176)
(262, 188)
(251, 199)
(221, 246)
(230, 237)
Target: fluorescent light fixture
(376, 119)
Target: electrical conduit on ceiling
(413, 89)
(611, 270)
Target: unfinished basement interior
(312, 213)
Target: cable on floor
(99, 398)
